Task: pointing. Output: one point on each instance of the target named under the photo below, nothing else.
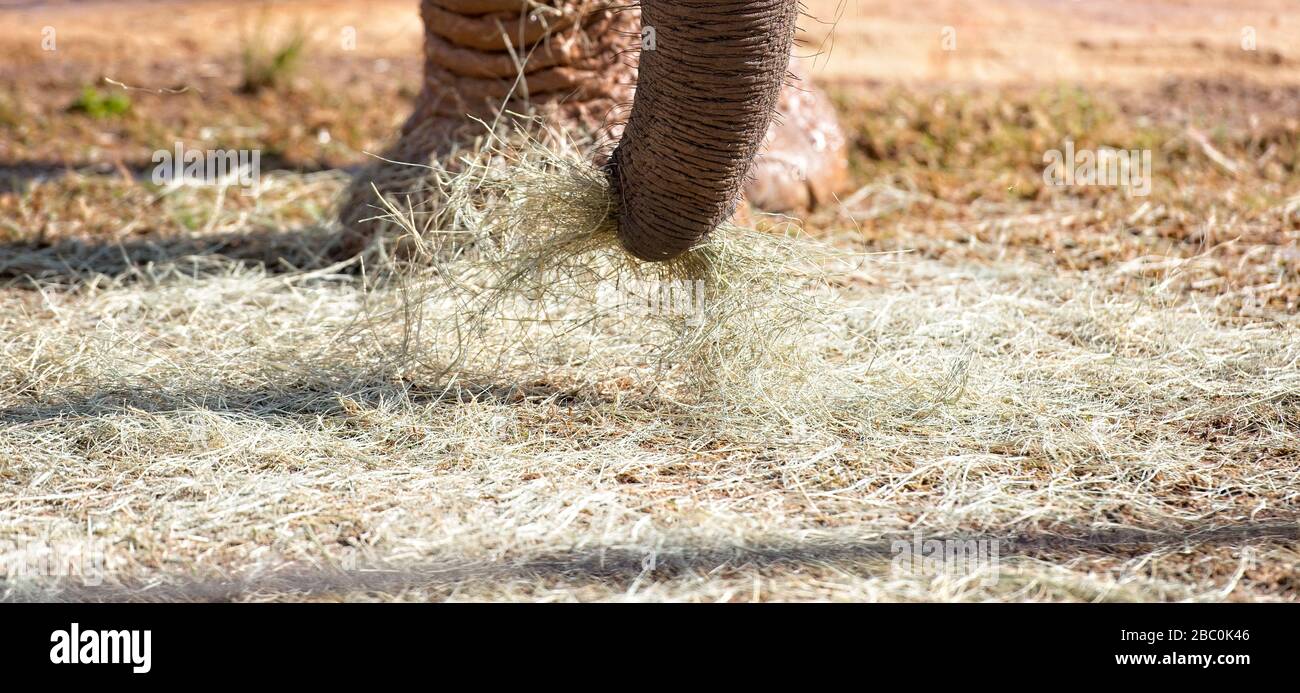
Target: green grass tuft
(99, 105)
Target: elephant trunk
(710, 75)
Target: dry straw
(511, 261)
(474, 421)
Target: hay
(517, 256)
(435, 430)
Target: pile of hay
(508, 260)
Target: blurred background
(950, 106)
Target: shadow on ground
(622, 566)
(76, 261)
(321, 398)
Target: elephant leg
(578, 68)
(804, 163)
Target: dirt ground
(1107, 383)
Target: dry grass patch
(246, 431)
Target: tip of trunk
(707, 91)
